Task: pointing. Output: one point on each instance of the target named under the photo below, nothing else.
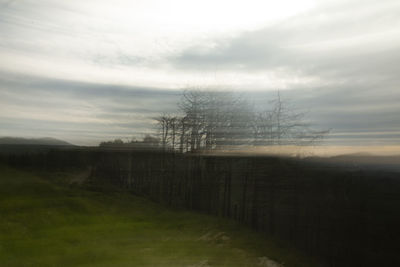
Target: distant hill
(362, 160)
(33, 141)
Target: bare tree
(215, 118)
(163, 123)
(220, 119)
(182, 131)
(174, 124)
(283, 126)
(192, 105)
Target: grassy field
(46, 223)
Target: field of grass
(46, 223)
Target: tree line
(210, 120)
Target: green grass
(44, 223)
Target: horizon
(324, 151)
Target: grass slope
(43, 223)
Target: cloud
(348, 42)
(74, 110)
(87, 113)
(344, 109)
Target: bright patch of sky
(126, 42)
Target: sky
(88, 71)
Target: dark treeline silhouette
(148, 142)
(212, 120)
(341, 216)
(47, 158)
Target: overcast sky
(86, 71)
